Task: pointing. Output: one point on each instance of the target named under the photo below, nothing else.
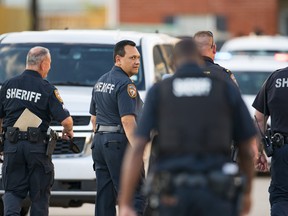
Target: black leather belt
(33, 135)
(109, 129)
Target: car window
(250, 82)
(162, 56)
(72, 64)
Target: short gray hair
(36, 55)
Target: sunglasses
(73, 147)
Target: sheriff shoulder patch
(56, 92)
(132, 91)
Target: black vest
(197, 121)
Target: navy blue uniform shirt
(213, 69)
(114, 96)
(275, 90)
(30, 90)
(243, 127)
(272, 100)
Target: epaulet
(227, 70)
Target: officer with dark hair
(115, 108)
(271, 101)
(196, 117)
(207, 48)
(27, 168)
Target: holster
(53, 136)
(226, 186)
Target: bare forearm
(129, 125)
(261, 122)
(93, 122)
(68, 127)
(130, 174)
(246, 161)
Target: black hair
(119, 48)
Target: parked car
(79, 58)
(250, 73)
(257, 45)
(252, 59)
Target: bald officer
(26, 167)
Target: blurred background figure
(192, 166)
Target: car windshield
(72, 64)
(250, 82)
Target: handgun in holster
(157, 184)
(53, 136)
(267, 143)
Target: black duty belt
(109, 129)
(33, 135)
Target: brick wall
(243, 16)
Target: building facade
(225, 17)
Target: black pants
(108, 150)
(26, 169)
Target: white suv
(252, 59)
(79, 58)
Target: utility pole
(34, 15)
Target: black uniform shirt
(114, 96)
(243, 127)
(29, 90)
(212, 69)
(275, 90)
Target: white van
(79, 58)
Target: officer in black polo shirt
(207, 48)
(26, 167)
(196, 117)
(271, 101)
(115, 108)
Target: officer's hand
(126, 211)
(67, 135)
(246, 205)
(261, 163)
